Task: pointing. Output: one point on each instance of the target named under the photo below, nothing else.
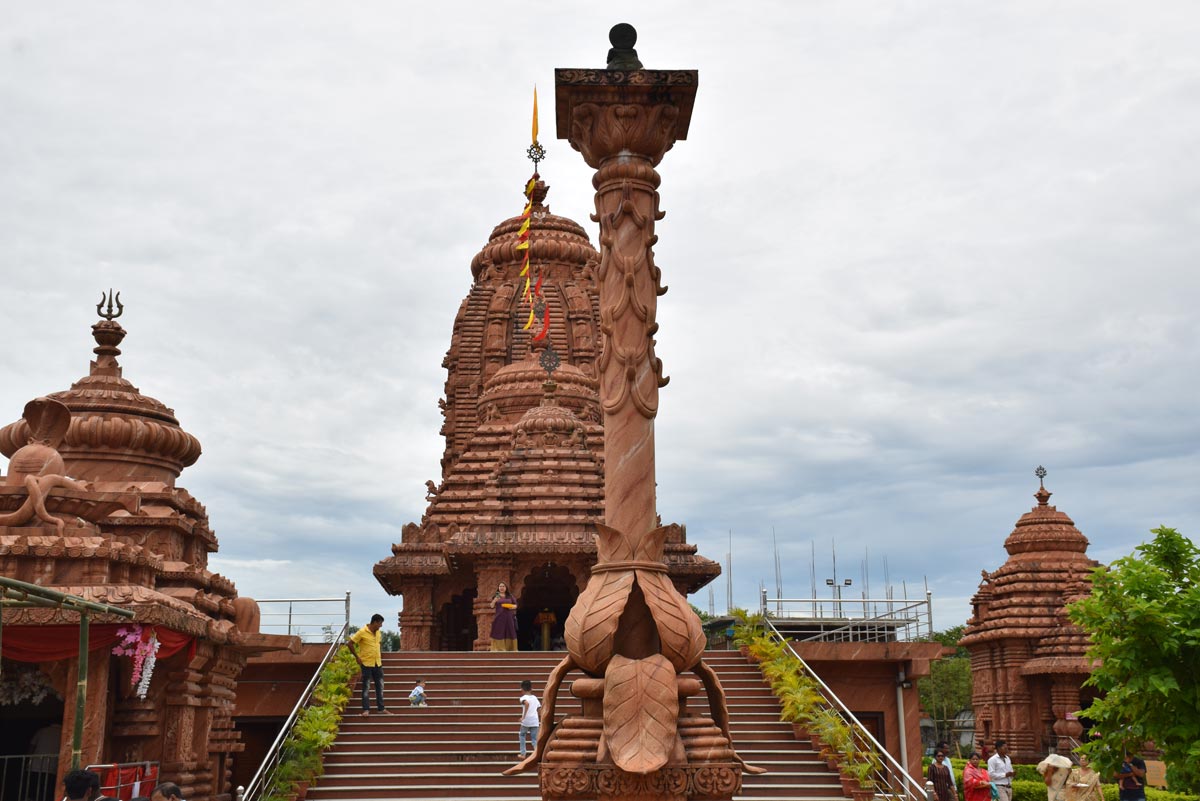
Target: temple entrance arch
(456, 622)
(547, 588)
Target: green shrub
(302, 754)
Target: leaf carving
(641, 709)
(613, 545)
(592, 624)
(679, 629)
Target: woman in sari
(939, 774)
(1084, 784)
(977, 786)
(504, 624)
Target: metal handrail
(895, 616)
(290, 614)
(266, 770)
(891, 778)
(860, 623)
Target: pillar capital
(606, 113)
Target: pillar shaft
(623, 122)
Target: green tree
(389, 641)
(946, 691)
(1143, 617)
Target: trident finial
(107, 314)
(1041, 474)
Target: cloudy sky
(914, 250)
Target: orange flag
(535, 114)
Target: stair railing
(891, 779)
(265, 775)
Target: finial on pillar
(622, 56)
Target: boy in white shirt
(417, 696)
(530, 720)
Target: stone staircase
(457, 746)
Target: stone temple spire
(1028, 659)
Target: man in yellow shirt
(365, 645)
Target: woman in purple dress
(504, 624)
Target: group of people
(84, 785)
(366, 645)
(1064, 780)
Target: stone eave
(1072, 665)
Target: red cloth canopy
(51, 643)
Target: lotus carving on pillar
(635, 635)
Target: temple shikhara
(90, 507)
(522, 483)
(1028, 660)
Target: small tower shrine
(90, 507)
(1028, 661)
(523, 472)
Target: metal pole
(347, 610)
(900, 719)
(80, 691)
(762, 600)
(289, 618)
(929, 612)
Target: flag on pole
(535, 131)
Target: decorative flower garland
(148, 664)
(21, 683)
(141, 645)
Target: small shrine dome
(518, 387)
(1044, 529)
(553, 239)
(116, 432)
(550, 424)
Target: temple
(522, 482)
(90, 507)
(1028, 661)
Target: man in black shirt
(1131, 778)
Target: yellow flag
(535, 113)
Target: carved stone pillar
(183, 717)
(631, 631)
(488, 575)
(223, 739)
(1064, 700)
(623, 122)
(416, 618)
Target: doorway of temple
(33, 716)
(547, 594)
(456, 622)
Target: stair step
(458, 746)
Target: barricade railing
(890, 778)
(126, 780)
(265, 775)
(28, 775)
